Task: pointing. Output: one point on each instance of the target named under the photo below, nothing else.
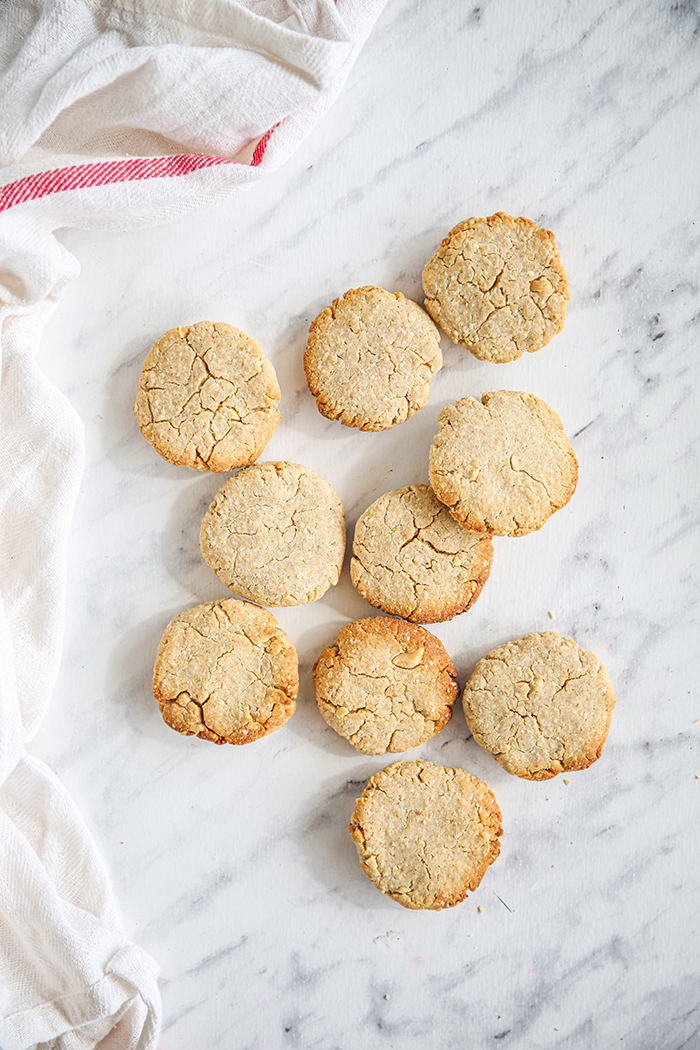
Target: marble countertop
(233, 866)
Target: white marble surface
(233, 866)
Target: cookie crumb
(387, 998)
(480, 909)
(550, 614)
(567, 782)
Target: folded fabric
(115, 115)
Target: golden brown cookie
(502, 465)
(497, 286)
(540, 706)
(275, 534)
(207, 397)
(385, 685)
(225, 672)
(412, 559)
(370, 357)
(425, 834)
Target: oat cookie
(502, 465)
(275, 534)
(425, 834)
(497, 286)
(412, 559)
(385, 685)
(207, 397)
(540, 706)
(225, 672)
(370, 357)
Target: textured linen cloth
(113, 115)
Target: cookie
(275, 534)
(225, 672)
(540, 706)
(370, 357)
(207, 397)
(502, 465)
(412, 559)
(497, 286)
(385, 685)
(425, 834)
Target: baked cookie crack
(369, 359)
(540, 705)
(412, 559)
(208, 397)
(225, 672)
(497, 262)
(385, 685)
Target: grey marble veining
(233, 866)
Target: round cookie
(412, 559)
(275, 534)
(497, 286)
(425, 834)
(540, 706)
(207, 397)
(225, 672)
(370, 357)
(502, 465)
(385, 685)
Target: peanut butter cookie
(385, 685)
(275, 534)
(425, 834)
(225, 672)
(502, 465)
(370, 357)
(497, 286)
(207, 397)
(540, 706)
(412, 559)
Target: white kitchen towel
(113, 114)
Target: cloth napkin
(113, 114)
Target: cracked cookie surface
(275, 534)
(412, 559)
(225, 672)
(425, 833)
(370, 357)
(503, 465)
(385, 685)
(540, 705)
(208, 397)
(497, 287)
